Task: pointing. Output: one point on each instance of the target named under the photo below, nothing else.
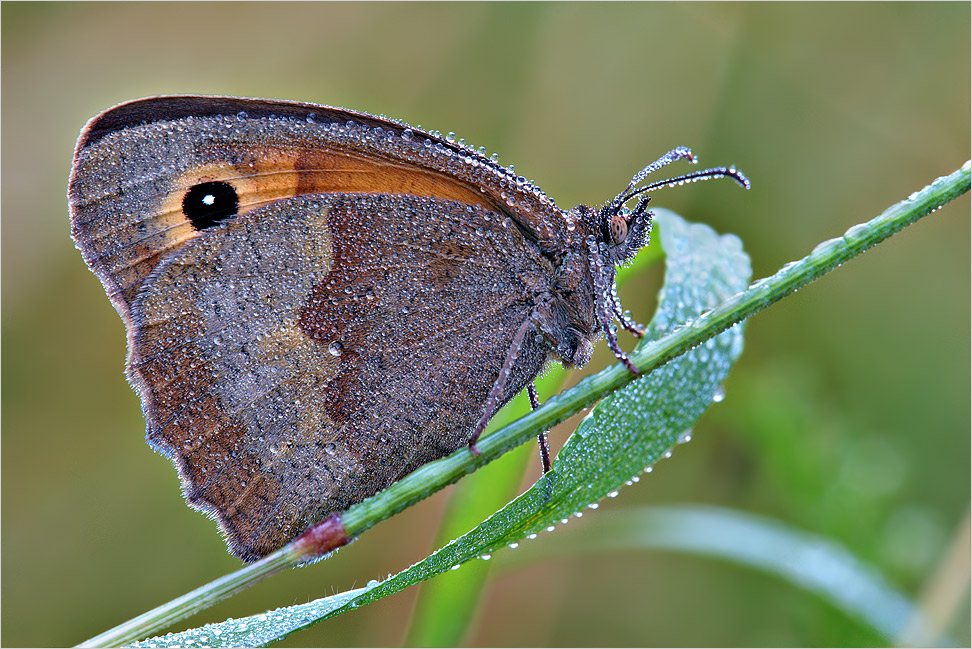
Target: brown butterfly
(319, 301)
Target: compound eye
(618, 228)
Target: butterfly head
(622, 226)
(615, 232)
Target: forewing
(134, 164)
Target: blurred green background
(847, 416)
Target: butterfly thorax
(571, 329)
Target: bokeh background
(847, 416)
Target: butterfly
(318, 301)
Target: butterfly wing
(338, 325)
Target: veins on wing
(432, 252)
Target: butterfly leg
(630, 326)
(496, 394)
(542, 437)
(605, 306)
(612, 341)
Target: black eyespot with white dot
(206, 205)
